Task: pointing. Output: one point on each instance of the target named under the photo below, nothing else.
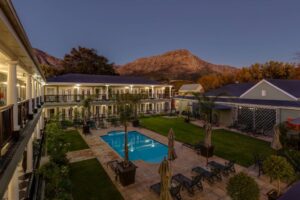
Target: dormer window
(263, 93)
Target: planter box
(136, 123)
(86, 129)
(207, 151)
(126, 175)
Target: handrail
(6, 107)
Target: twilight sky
(234, 32)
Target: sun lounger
(188, 183)
(225, 170)
(175, 191)
(210, 176)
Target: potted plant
(126, 168)
(242, 187)
(278, 169)
(86, 115)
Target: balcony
(71, 99)
(9, 139)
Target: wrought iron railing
(97, 97)
(23, 113)
(33, 191)
(6, 126)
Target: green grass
(90, 182)
(228, 145)
(75, 140)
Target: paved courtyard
(147, 174)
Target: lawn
(90, 182)
(228, 145)
(75, 140)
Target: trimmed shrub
(242, 187)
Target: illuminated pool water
(140, 146)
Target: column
(29, 156)
(42, 122)
(12, 94)
(29, 95)
(38, 89)
(152, 91)
(131, 89)
(106, 92)
(42, 94)
(13, 187)
(170, 91)
(38, 130)
(34, 95)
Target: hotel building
(27, 99)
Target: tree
(87, 61)
(125, 113)
(206, 106)
(50, 71)
(278, 169)
(242, 187)
(87, 108)
(135, 100)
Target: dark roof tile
(234, 90)
(104, 79)
(289, 86)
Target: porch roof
(275, 103)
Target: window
(263, 93)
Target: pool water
(140, 147)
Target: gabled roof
(290, 86)
(190, 88)
(103, 79)
(234, 90)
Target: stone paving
(147, 174)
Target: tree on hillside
(50, 71)
(253, 73)
(87, 61)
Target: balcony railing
(23, 112)
(9, 140)
(34, 188)
(98, 97)
(6, 127)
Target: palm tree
(135, 100)
(206, 106)
(86, 114)
(125, 113)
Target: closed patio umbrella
(276, 145)
(207, 134)
(171, 149)
(165, 175)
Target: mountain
(177, 64)
(46, 59)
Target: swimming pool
(140, 146)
